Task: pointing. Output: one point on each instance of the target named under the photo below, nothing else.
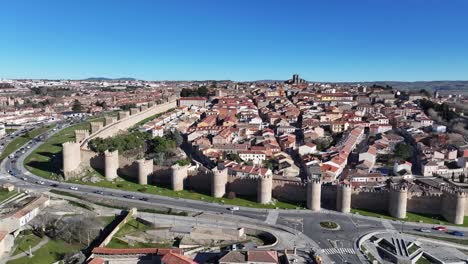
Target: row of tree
(200, 91)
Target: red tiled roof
(173, 258)
(96, 261)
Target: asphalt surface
(308, 223)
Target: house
(250, 257)
(308, 148)
(402, 167)
(248, 171)
(208, 121)
(253, 155)
(224, 137)
(430, 168)
(368, 158)
(157, 131)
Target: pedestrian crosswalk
(331, 251)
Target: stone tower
(453, 206)
(343, 198)
(111, 164)
(398, 201)
(218, 182)
(145, 168)
(265, 186)
(123, 114)
(96, 126)
(179, 174)
(134, 110)
(109, 120)
(80, 135)
(314, 194)
(71, 158)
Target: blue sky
(324, 40)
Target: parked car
(440, 228)
(424, 230)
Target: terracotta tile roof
(173, 258)
(262, 256)
(3, 234)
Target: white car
(40, 182)
(423, 230)
(74, 188)
(234, 208)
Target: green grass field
(46, 160)
(411, 217)
(49, 253)
(133, 227)
(23, 243)
(185, 194)
(16, 143)
(4, 194)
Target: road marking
(272, 217)
(332, 251)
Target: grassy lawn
(328, 225)
(23, 243)
(448, 239)
(51, 252)
(410, 217)
(423, 260)
(16, 143)
(4, 194)
(46, 160)
(185, 194)
(133, 227)
(10, 130)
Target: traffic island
(329, 225)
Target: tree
(403, 151)
(177, 137)
(77, 107)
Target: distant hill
(428, 85)
(97, 79)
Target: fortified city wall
(397, 200)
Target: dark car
(54, 185)
(144, 199)
(129, 196)
(458, 233)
